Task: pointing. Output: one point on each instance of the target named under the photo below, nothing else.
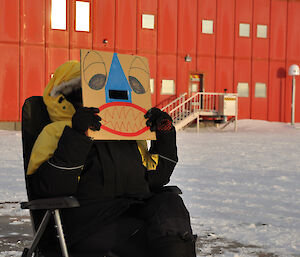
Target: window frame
(90, 16)
(66, 15)
(261, 25)
(243, 84)
(152, 85)
(265, 90)
(212, 27)
(162, 84)
(154, 20)
(241, 30)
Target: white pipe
(293, 101)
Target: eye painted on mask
(139, 76)
(136, 86)
(97, 82)
(94, 70)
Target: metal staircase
(183, 111)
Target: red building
(244, 46)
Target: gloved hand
(86, 118)
(158, 120)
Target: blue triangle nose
(117, 88)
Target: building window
(148, 21)
(152, 86)
(59, 14)
(243, 89)
(82, 16)
(207, 26)
(244, 30)
(260, 90)
(262, 31)
(168, 87)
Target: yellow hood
(60, 112)
(58, 109)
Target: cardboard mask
(119, 85)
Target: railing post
(236, 114)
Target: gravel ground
(16, 233)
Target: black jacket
(105, 176)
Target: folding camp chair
(34, 118)
(45, 213)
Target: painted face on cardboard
(120, 86)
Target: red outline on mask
(125, 134)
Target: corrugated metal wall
(30, 50)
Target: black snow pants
(159, 227)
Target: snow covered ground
(242, 189)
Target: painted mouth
(123, 119)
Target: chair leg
(38, 235)
(60, 233)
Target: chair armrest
(51, 203)
(171, 189)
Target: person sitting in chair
(123, 209)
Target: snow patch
(10, 254)
(242, 189)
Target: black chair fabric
(34, 118)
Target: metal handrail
(186, 101)
(194, 96)
(205, 103)
(174, 101)
(200, 104)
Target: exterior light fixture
(293, 71)
(188, 58)
(105, 41)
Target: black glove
(158, 120)
(86, 118)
